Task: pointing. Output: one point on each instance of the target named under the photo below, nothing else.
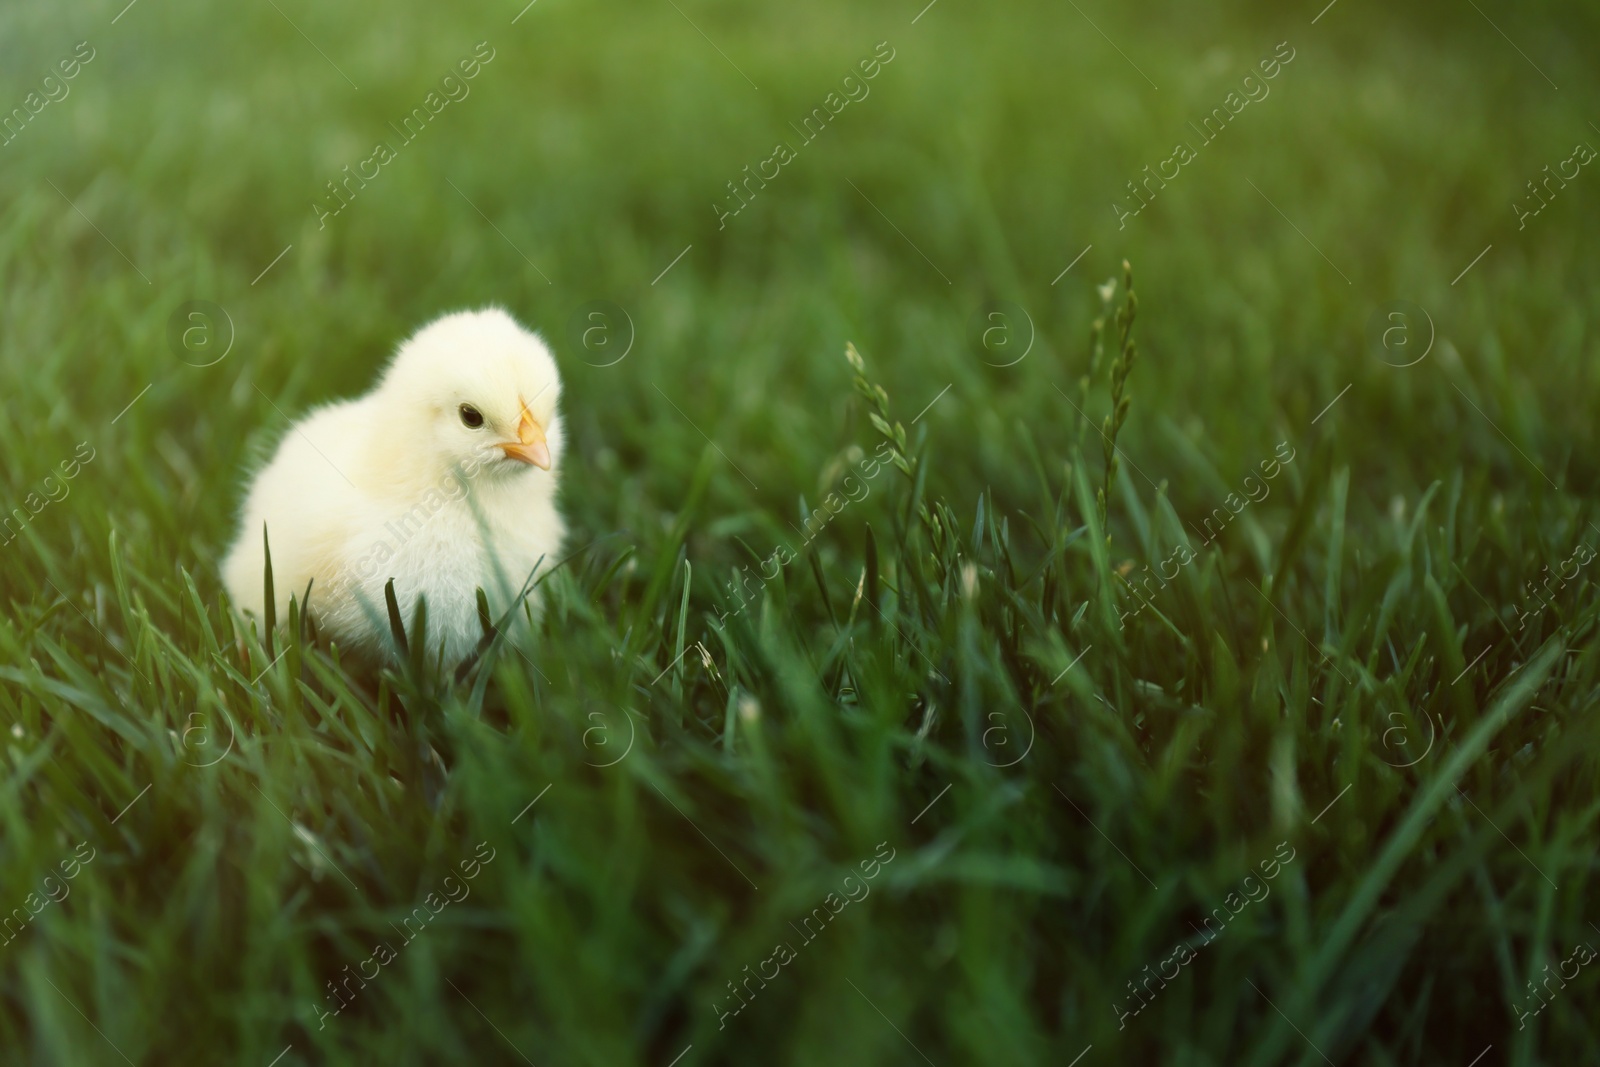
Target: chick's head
(475, 392)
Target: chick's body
(442, 478)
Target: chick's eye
(471, 416)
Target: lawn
(1079, 513)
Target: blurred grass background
(1173, 756)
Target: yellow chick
(442, 478)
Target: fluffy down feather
(443, 478)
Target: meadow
(1011, 515)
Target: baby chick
(443, 478)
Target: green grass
(954, 669)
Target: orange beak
(530, 446)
